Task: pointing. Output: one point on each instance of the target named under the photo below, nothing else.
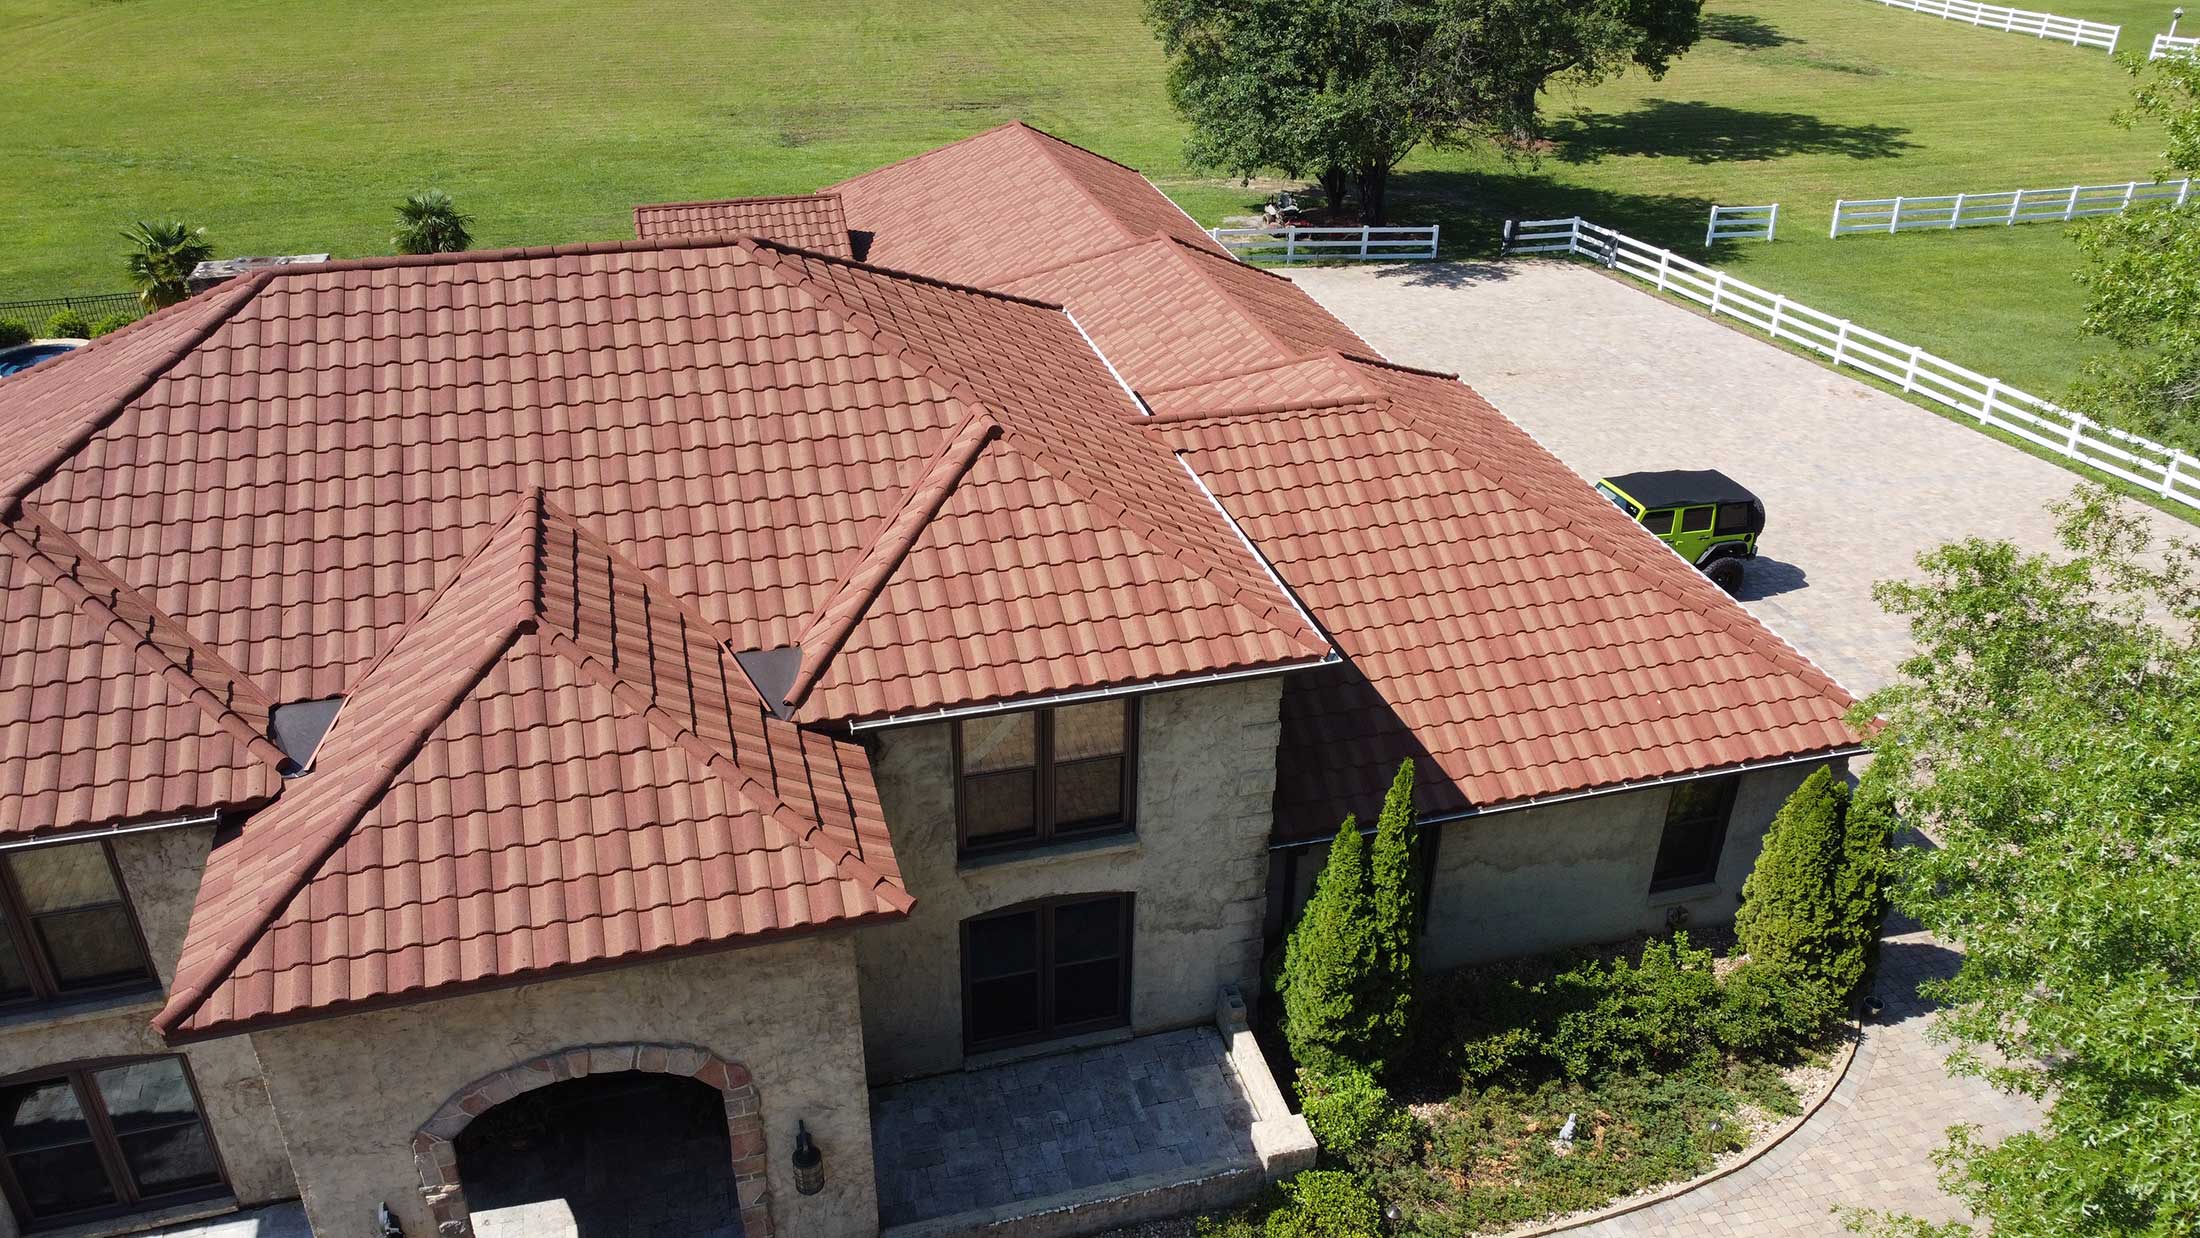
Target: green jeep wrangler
(1704, 515)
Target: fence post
(1988, 399)
(1665, 262)
(2169, 475)
(1909, 373)
(1718, 288)
(1956, 216)
(1433, 230)
(1777, 300)
(1894, 217)
(1711, 229)
(1365, 233)
(1290, 244)
(1835, 230)
(2070, 212)
(2015, 206)
(1841, 344)
(1772, 225)
(2184, 187)
(2129, 189)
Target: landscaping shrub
(1326, 962)
(69, 324)
(1356, 1121)
(112, 322)
(1771, 1009)
(1622, 1017)
(13, 333)
(1395, 895)
(1324, 1203)
(1815, 898)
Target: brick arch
(435, 1151)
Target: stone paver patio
(1856, 483)
(1155, 1109)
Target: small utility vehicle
(1704, 515)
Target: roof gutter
(1091, 694)
(1621, 788)
(113, 831)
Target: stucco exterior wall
(160, 872)
(1578, 872)
(351, 1091)
(1198, 866)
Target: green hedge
(13, 333)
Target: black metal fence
(34, 312)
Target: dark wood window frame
(108, 1145)
(1045, 829)
(18, 934)
(1048, 1029)
(1716, 819)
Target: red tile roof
(114, 713)
(1501, 624)
(556, 764)
(806, 221)
(1005, 203)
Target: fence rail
(1296, 244)
(2005, 208)
(1742, 223)
(35, 311)
(2072, 30)
(2172, 474)
(2173, 47)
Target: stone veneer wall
(352, 1092)
(1577, 872)
(160, 870)
(1198, 866)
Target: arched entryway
(621, 1134)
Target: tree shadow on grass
(1711, 133)
(1472, 206)
(1743, 30)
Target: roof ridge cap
(1095, 256)
(761, 197)
(912, 277)
(1269, 408)
(517, 253)
(1224, 257)
(36, 474)
(836, 618)
(1207, 277)
(774, 809)
(1046, 143)
(147, 652)
(1386, 363)
(1744, 626)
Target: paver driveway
(1855, 482)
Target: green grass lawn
(291, 127)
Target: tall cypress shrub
(1396, 896)
(1860, 886)
(1788, 913)
(1327, 960)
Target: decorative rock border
(435, 1151)
(1839, 1087)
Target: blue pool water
(16, 359)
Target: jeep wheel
(1727, 574)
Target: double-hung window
(65, 926)
(1695, 833)
(1037, 775)
(103, 1139)
(1046, 969)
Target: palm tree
(161, 258)
(430, 223)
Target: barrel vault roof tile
(812, 221)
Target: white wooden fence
(2173, 47)
(2072, 30)
(2007, 207)
(1296, 244)
(2172, 474)
(1742, 223)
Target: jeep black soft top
(1689, 488)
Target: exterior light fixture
(1392, 1215)
(809, 1163)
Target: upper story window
(65, 927)
(103, 1139)
(1695, 833)
(1040, 774)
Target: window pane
(146, 1094)
(1004, 945)
(59, 878)
(1695, 519)
(1091, 930)
(59, 1181)
(90, 947)
(1695, 831)
(1094, 729)
(1001, 741)
(166, 1161)
(1000, 807)
(1735, 518)
(1004, 1008)
(1088, 992)
(1088, 792)
(1660, 523)
(40, 1115)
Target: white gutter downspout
(113, 831)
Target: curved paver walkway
(1856, 483)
